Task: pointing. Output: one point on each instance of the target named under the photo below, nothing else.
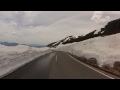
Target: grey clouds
(44, 27)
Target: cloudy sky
(44, 27)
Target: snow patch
(105, 49)
(66, 39)
(75, 36)
(15, 56)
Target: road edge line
(90, 67)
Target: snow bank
(14, 57)
(105, 49)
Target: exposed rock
(107, 66)
(83, 59)
(117, 65)
(92, 61)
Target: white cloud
(16, 12)
(13, 23)
(14, 33)
(97, 17)
(44, 27)
(113, 12)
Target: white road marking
(56, 57)
(92, 68)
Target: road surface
(37, 69)
(58, 65)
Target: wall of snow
(14, 57)
(105, 49)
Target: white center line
(92, 68)
(56, 57)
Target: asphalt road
(58, 65)
(37, 69)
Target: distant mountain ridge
(34, 45)
(15, 44)
(9, 44)
(113, 27)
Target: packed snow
(75, 36)
(15, 56)
(105, 49)
(68, 38)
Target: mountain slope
(16, 44)
(77, 38)
(63, 41)
(9, 44)
(113, 27)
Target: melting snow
(105, 49)
(14, 57)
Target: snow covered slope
(15, 56)
(55, 44)
(78, 38)
(105, 49)
(70, 37)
